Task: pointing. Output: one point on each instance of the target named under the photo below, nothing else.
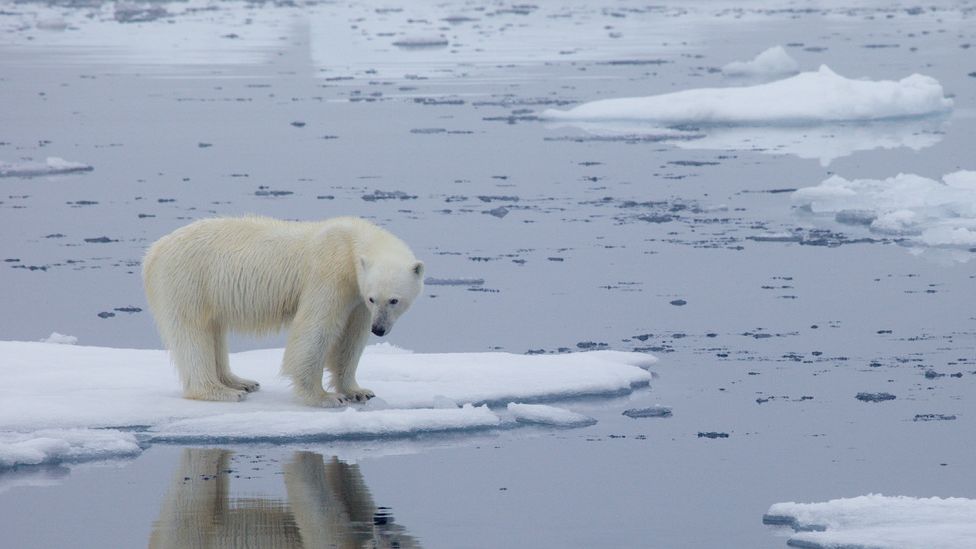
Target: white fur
(257, 274)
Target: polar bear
(332, 281)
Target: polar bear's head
(388, 287)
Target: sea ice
(90, 390)
(935, 213)
(807, 98)
(548, 415)
(879, 522)
(772, 62)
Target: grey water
(570, 240)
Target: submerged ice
(807, 98)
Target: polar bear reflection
(328, 505)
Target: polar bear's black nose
(379, 330)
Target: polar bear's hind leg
(195, 354)
(223, 365)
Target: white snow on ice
(880, 522)
(807, 98)
(934, 213)
(50, 386)
(772, 62)
(548, 415)
(53, 165)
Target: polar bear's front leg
(344, 359)
(310, 339)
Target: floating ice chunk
(653, 411)
(879, 522)
(324, 424)
(454, 281)
(52, 166)
(420, 42)
(935, 213)
(56, 445)
(807, 98)
(64, 386)
(548, 415)
(772, 62)
(60, 339)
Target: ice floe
(772, 62)
(930, 212)
(53, 165)
(807, 98)
(106, 394)
(879, 522)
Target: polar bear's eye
(394, 301)
(371, 300)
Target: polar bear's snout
(382, 322)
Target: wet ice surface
(578, 237)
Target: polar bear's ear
(418, 268)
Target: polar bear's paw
(359, 394)
(241, 384)
(327, 400)
(217, 393)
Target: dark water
(582, 239)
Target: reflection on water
(823, 142)
(328, 505)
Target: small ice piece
(875, 397)
(420, 42)
(453, 281)
(772, 62)
(548, 415)
(60, 339)
(808, 98)
(53, 165)
(879, 522)
(653, 411)
(57, 445)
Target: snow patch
(807, 98)
(772, 62)
(548, 415)
(879, 522)
(934, 213)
